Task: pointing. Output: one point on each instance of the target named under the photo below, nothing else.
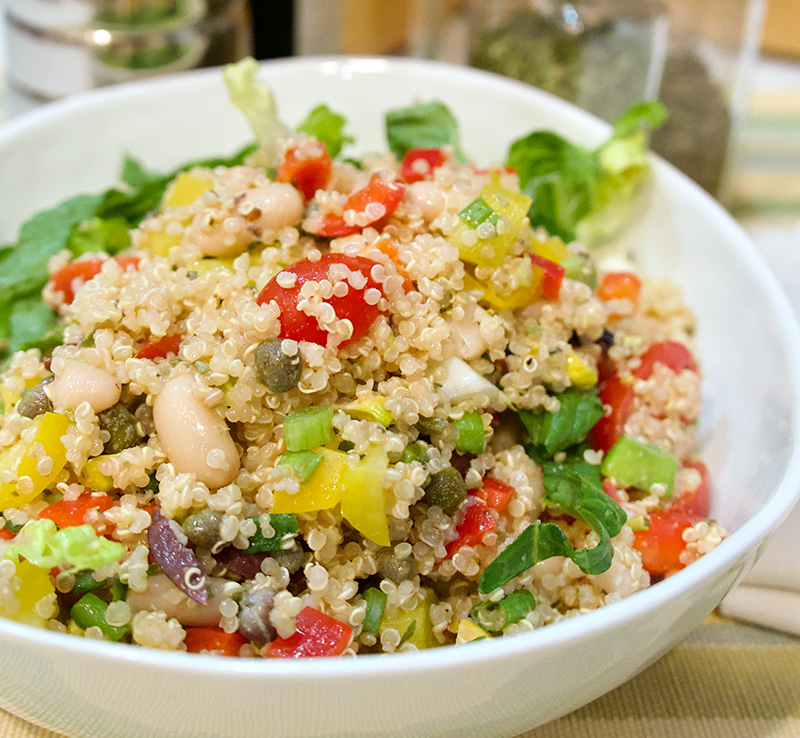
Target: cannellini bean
(162, 594)
(274, 206)
(81, 382)
(427, 197)
(468, 341)
(226, 235)
(193, 436)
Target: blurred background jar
(59, 47)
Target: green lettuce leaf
(328, 127)
(576, 416)
(427, 125)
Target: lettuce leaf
(425, 126)
(74, 549)
(328, 127)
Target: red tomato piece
(308, 171)
(611, 490)
(669, 353)
(698, 501)
(213, 640)
(160, 349)
(353, 306)
(619, 286)
(64, 279)
(419, 164)
(662, 544)
(495, 494)
(365, 202)
(476, 523)
(316, 634)
(69, 513)
(552, 275)
(5, 533)
(619, 397)
(386, 245)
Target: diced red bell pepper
(307, 172)
(619, 286)
(419, 164)
(213, 640)
(160, 349)
(69, 513)
(669, 353)
(387, 193)
(84, 270)
(316, 634)
(552, 276)
(353, 306)
(6, 534)
(619, 396)
(495, 494)
(476, 523)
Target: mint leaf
(426, 126)
(328, 127)
(577, 415)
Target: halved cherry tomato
(611, 490)
(495, 494)
(213, 640)
(662, 544)
(353, 306)
(418, 164)
(160, 349)
(552, 276)
(618, 395)
(308, 171)
(386, 193)
(84, 270)
(669, 353)
(619, 286)
(316, 634)
(476, 523)
(69, 513)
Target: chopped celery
(376, 604)
(470, 434)
(305, 463)
(308, 427)
(283, 525)
(90, 611)
(640, 465)
(494, 616)
(85, 582)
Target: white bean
(279, 205)
(161, 594)
(427, 197)
(226, 235)
(81, 382)
(193, 436)
(468, 341)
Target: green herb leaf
(33, 325)
(99, 234)
(577, 415)
(425, 126)
(328, 127)
(376, 604)
(649, 114)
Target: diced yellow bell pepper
(510, 210)
(20, 459)
(34, 584)
(204, 266)
(363, 502)
(159, 243)
(94, 478)
(580, 373)
(372, 407)
(401, 620)
(186, 188)
(517, 298)
(469, 631)
(553, 249)
(322, 492)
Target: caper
(202, 528)
(121, 426)
(414, 452)
(445, 489)
(393, 567)
(275, 369)
(254, 611)
(33, 401)
(432, 426)
(290, 558)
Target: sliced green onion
(410, 630)
(494, 616)
(640, 465)
(376, 604)
(477, 212)
(304, 463)
(90, 611)
(308, 427)
(284, 524)
(470, 434)
(415, 451)
(85, 582)
(119, 590)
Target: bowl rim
(606, 618)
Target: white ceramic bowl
(750, 351)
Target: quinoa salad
(298, 404)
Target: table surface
(725, 680)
